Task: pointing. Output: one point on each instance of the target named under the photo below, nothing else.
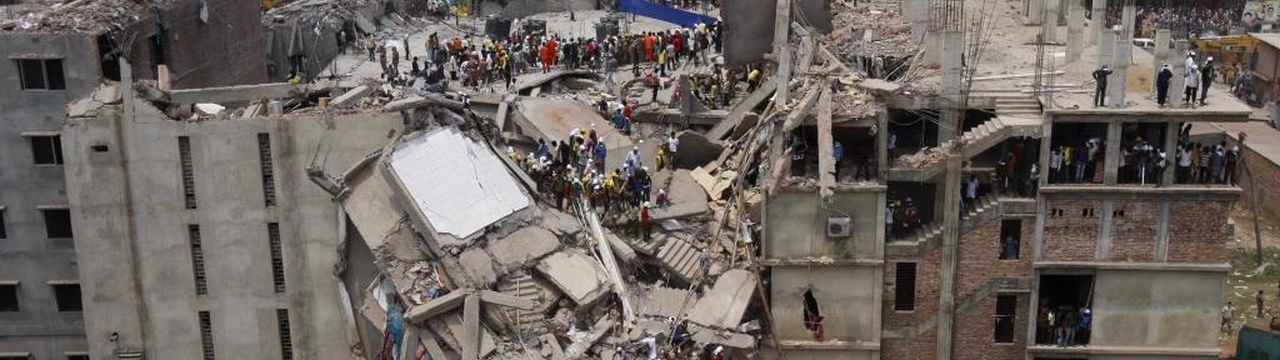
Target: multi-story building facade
(46, 67)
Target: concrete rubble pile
(872, 29)
(545, 283)
(84, 16)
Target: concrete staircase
(524, 286)
(1018, 107)
(929, 236)
(976, 141)
(680, 258)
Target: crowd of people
(482, 63)
(1064, 325)
(1190, 20)
(574, 169)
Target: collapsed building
(349, 219)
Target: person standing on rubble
(753, 80)
(1100, 93)
(645, 223)
(673, 145)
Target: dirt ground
(1246, 276)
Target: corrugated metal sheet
(456, 182)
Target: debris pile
(85, 16)
(869, 30)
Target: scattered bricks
(1071, 229)
(1136, 229)
(1197, 231)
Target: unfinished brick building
(972, 271)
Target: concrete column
(951, 45)
(1097, 20)
(1106, 49)
(1170, 148)
(1075, 30)
(882, 146)
(1175, 60)
(1046, 146)
(1120, 72)
(950, 253)
(1113, 154)
(782, 48)
(1105, 225)
(1128, 16)
(916, 12)
(1050, 21)
(1035, 11)
(1161, 55)
(1162, 232)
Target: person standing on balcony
(1100, 93)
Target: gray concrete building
(40, 307)
(208, 237)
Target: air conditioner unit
(839, 227)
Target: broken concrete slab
(724, 305)
(879, 87)
(620, 248)
(527, 243)
(686, 196)
(721, 337)
(364, 24)
(578, 275)
(351, 97)
(552, 119)
(500, 299)
(659, 301)
(435, 307)
(583, 342)
(209, 109)
(232, 94)
(714, 185)
(478, 267)
(561, 223)
(450, 329)
(695, 150)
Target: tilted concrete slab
(525, 244)
(722, 337)
(478, 267)
(351, 97)
(687, 198)
(724, 305)
(500, 299)
(578, 275)
(238, 93)
(435, 307)
(551, 119)
(659, 301)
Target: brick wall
(1197, 231)
(1135, 228)
(1071, 236)
(979, 264)
(979, 259)
(975, 332)
(1265, 180)
(923, 346)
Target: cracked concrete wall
(842, 293)
(139, 282)
(26, 254)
